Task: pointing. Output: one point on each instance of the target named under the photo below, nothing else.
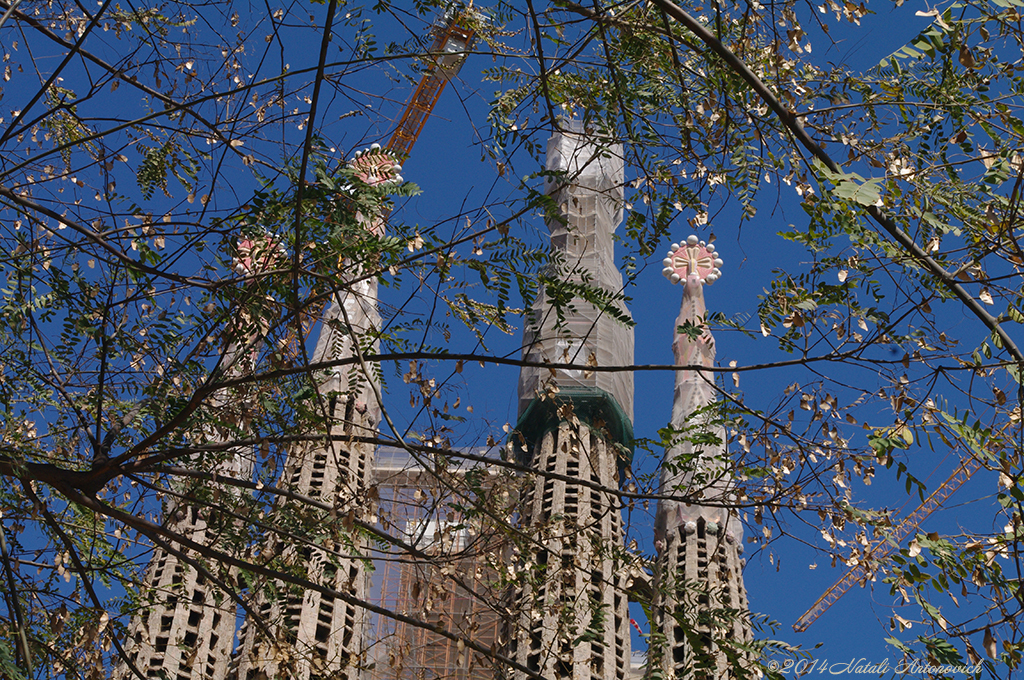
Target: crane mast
(453, 37)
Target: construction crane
(882, 548)
(453, 38)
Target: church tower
(312, 634)
(189, 632)
(699, 604)
(569, 617)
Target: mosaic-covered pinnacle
(376, 166)
(255, 254)
(693, 257)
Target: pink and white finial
(256, 254)
(693, 257)
(376, 166)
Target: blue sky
(449, 163)
(785, 578)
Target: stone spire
(699, 604)
(314, 635)
(568, 617)
(586, 184)
(189, 631)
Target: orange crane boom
(452, 39)
(886, 546)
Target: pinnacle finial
(376, 166)
(254, 254)
(694, 256)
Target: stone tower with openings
(189, 632)
(700, 619)
(312, 633)
(569, 615)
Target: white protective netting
(590, 198)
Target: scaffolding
(440, 571)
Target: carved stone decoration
(376, 166)
(692, 257)
(699, 605)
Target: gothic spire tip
(693, 257)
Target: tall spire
(315, 635)
(699, 600)
(188, 633)
(569, 617)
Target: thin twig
(792, 123)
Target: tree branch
(792, 123)
(98, 240)
(79, 567)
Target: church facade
(407, 613)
